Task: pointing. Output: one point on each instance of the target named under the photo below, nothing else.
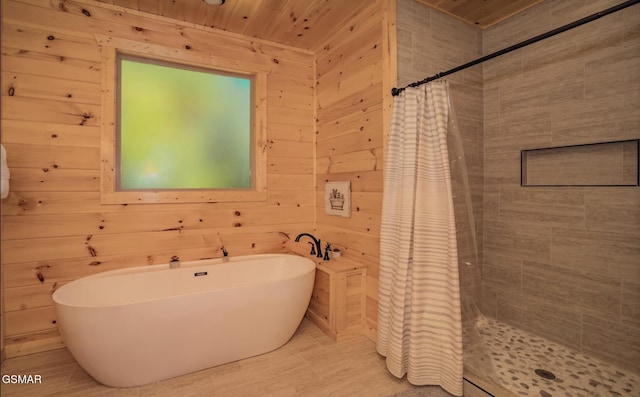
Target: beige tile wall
(603, 164)
(563, 262)
(430, 42)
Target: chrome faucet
(174, 263)
(318, 249)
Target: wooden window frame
(108, 152)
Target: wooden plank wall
(54, 229)
(350, 101)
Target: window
(179, 131)
(182, 127)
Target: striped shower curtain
(419, 321)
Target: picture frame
(337, 198)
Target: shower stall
(550, 273)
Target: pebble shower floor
(516, 355)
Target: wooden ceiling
(481, 13)
(305, 23)
(298, 23)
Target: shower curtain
(419, 319)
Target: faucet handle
(326, 255)
(174, 263)
(313, 248)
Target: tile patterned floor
(517, 354)
(311, 364)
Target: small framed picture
(337, 198)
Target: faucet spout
(315, 241)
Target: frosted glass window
(182, 127)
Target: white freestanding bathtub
(135, 326)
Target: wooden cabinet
(338, 300)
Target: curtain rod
(593, 17)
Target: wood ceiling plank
(133, 4)
(509, 9)
(217, 15)
(196, 12)
(232, 16)
(305, 23)
(480, 13)
(294, 15)
(242, 13)
(326, 22)
(172, 9)
(150, 6)
(266, 10)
